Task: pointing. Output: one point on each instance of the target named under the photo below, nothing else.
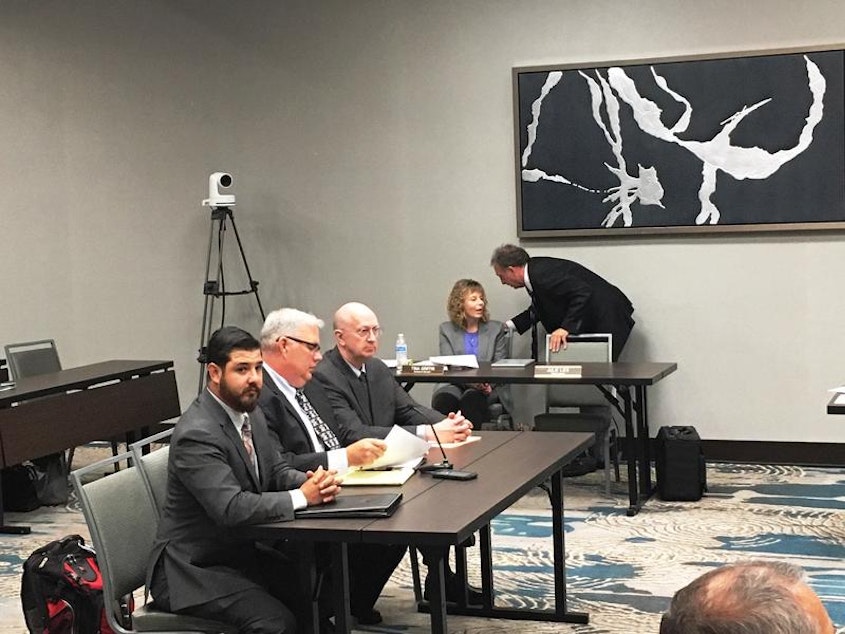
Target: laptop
(351, 506)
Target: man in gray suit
(299, 414)
(362, 390)
(225, 472)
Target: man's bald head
(356, 332)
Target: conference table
(623, 384)
(442, 513)
(52, 412)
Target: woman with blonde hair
(471, 331)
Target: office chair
(123, 522)
(33, 358)
(153, 467)
(582, 408)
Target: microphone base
(437, 466)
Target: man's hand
(557, 340)
(321, 486)
(453, 428)
(365, 451)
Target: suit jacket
(492, 346)
(284, 422)
(568, 295)
(391, 405)
(212, 491)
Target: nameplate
(427, 370)
(557, 371)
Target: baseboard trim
(821, 454)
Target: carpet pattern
(621, 570)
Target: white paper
(456, 360)
(452, 445)
(838, 390)
(840, 400)
(403, 447)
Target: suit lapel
(231, 433)
(288, 408)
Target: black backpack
(62, 590)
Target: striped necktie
(323, 431)
(246, 436)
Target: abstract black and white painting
(750, 143)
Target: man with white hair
(299, 414)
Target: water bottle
(401, 352)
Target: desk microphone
(444, 469)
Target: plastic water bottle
(401, 352)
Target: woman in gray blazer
(471, 331)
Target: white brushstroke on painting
(644, 187)
(551, 81)
(716, 154)
(719, 154)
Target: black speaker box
(680, 464)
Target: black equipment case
(681, 468)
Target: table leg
(645, 443)
(437, 598)
(308, 576)
(632, 451)
(485, 546)
(340, 581)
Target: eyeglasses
(366, 332)
(312, 347)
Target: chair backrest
(153, 467)
(584, 348)
(32, 358)
(122, 523)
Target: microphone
(443, 469)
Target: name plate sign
(427, 370)
(557, 371)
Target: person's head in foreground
(754, 597)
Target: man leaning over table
(225, 472)
(362, 390)
(299, 414)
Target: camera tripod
(216, 288)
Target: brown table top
(78, 378)
(437, 511)
(619, 373)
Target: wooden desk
(836, 404)
(442, 513)
(52, 412)
(630, 381)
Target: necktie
(246, 436)
(365, 384)
(324, 433)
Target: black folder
(348, 506)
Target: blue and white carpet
(621, 570)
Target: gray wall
(372, 149)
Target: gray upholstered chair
(153, 467)
(122, 521)
(582, 408)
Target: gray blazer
(212, 490)
(492, 346)
(391, 405)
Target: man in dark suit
(299, 414)
(566, 298)
(225, 472)
(363, 391)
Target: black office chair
(33, 358)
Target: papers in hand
(403, 448)
(456, 360)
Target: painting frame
(717, 108)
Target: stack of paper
(396, 465)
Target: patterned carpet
(621, 570)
